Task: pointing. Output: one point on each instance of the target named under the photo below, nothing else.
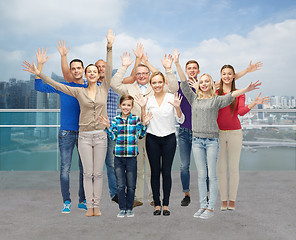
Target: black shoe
(185, 202)
(115, 198)
(166, 213)
(157, 212)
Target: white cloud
(273, 44)
(35, 16)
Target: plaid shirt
(126, 133)
(112, 100)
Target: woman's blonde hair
(157, 74)
(199, 92)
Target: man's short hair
(76, 60)
(191, 61)
(142, 65)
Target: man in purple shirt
(184, 135)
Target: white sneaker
(198, 213)
(206, 214)
(121, 214)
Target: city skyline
(212, 32)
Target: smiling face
(205, 84)
(101, 66)
(126, 107)
(157, 83)
(192, 70)
(76, 69)
(142, 75)
(92, 74)
(227, 76)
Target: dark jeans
(67, 142)
(126, 178)
(109, 161)
(161, 152)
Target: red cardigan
(228, 120)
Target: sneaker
(66, 207)
(137, 203)
(198, 213)
(185, 202)
(121, 214)
(130, 213)
(82, 205)
(115, 198)
(152, 203)
(206, 214)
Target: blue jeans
(185, 145)
(67, 142)
(126, 177)
(109, 161)
(206, 152)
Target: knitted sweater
(205, 112)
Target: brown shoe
(152, 203)
(89, 212)
(137, 203)
(97, 212)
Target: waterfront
(252, 159)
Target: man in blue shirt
(68, 134)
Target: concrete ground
(31, 203)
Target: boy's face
(126, 107)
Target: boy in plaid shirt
(125, 130)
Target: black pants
(161, 152)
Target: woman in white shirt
(161, 139)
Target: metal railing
(34, 132)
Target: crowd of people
(140, 142)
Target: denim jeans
(185, 145)
(67, 142)
(206, 152)
(126, 177)
(109, 161)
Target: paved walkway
(31, 203)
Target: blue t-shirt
(70, 109)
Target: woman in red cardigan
(231, 137)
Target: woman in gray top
(205, 146)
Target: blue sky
(213, 32)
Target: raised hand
(104, 121)
(176, 56)
(253, 86)
(62, 48)
(261, 100)
(167, 61)
(139, 99)
(31, 68)
(192, 82)
(139, 50)
(177, 100)
(147, 118)
(110, 38)
(126, 60)
(41, 56)
(144, 58)
(254, 67)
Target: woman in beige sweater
(92, 141)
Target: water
(260, 159)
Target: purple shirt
(186, 109)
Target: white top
(163, 122)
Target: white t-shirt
(163, 122)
